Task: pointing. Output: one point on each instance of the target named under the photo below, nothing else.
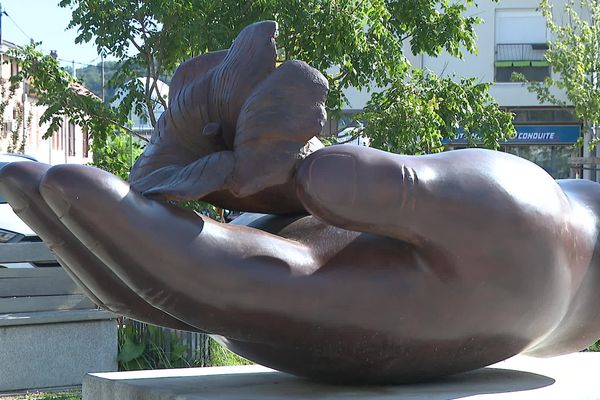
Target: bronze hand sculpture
(379, 268)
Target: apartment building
(513, 38)
(20, 130)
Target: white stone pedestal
(571, 377)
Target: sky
(45, 21)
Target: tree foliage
(116, 153)
(361, 43)
(13, 133)
(574, 55)
(63, 96)
(414, 116)
(356, 43)
(91, 77)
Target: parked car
(12, 228)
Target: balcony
(527, 59)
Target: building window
(553, 159)
(86, 143)
(71, 139)
(14, 68)
(57, 138)
(521, 43)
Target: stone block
(55, 353)
(570, 377)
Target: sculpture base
(50, 349)
(567, 377)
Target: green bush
(116, 154)
(143, 346)
(594, 347)
(147, 350)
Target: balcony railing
(530, 54)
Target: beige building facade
(20, 130)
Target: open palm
(384, 268)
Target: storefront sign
(534, 135)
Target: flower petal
(177, 139)
(188, 114)
(275, 124)
(195, 180)
(249, 61)
(192, 70)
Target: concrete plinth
(572, 377)
(55, 349)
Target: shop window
(553, 159)
(521, 43)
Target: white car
(12, 228)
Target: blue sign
(534, 135)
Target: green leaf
(130, 350)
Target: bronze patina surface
(371, 267)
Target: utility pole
(1, 47)
(103, 92)
(74, 72)
(1, 14)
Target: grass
(594, 347)
(220, 356)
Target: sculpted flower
(235, 128)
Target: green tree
(91, 77)
(574, 55)
(13, 133)
(357, 43)
(116, 153)
(414, 115)
(160, 34)
(63, 96)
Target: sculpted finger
(359, 189)
(19, 186)
(208, 274)
(447, 197)
(19, 183)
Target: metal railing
(521, 52)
